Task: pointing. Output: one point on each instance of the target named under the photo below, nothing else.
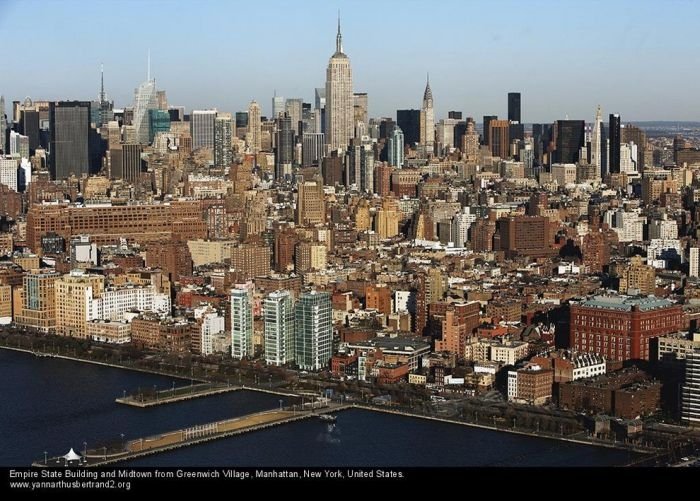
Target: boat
(328, 418)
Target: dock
(182, 393)
(193, 435)
(177, 394)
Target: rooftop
(626, 303)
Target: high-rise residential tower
(340, 127)
(278, 315)
(427, 120)
(241, 323)
(396, 145)
(314, 331)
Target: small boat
(328, 418)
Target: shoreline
(103, 364)
(405, 413)
(621, 446)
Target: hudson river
(49, 404)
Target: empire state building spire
(339, 38)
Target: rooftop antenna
(339, 37)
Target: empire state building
(339, 99)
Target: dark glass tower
(570, 139)
(514, 107)
(69, 123)
(285, 145)
(409, 122)
(486, 122)
(29, 126)
(614, 136)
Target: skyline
(390, 65)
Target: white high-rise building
(145, 99)
(254, 137)
(396, 147)
(213, 325)
(694, 262)
(202, 124)
(241, 323)
(278, 312)
(596, 139)
(690, 391)
(8, 172)
(427, 121)
(340, 115)
(314, 331)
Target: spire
(339, 37)
(428, 94)
(148, 73)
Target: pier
(176, 394)
(193, 435)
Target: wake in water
(330, 436)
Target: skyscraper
(284, 154)
(223, 131)
(277, 105)
(312, 148)
(360, 107)
(314, 331)
(614, 148)
(311, 207)
(595, 140)
(241, 323)
(105, 110)
(486, 121)
(145, 99)
(29, 126)
(514, 107)
(499, 139)
(339, 99)
(254, 138)
(131, 162)
(278, 315)
(409, 122)
(396, 146)
(69, 124)
(202, 128)
(295, 109)
(3, 125)
(427, 120)
(320, 106)
(570, 138)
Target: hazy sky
(638, 58)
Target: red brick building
(627, 394)
(620, 327)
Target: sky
(638, 58)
